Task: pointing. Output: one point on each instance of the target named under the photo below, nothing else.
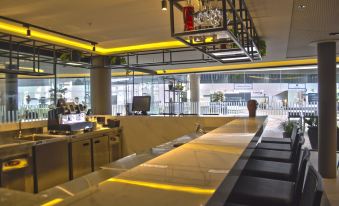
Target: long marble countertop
(187, 175)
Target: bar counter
(188, 175)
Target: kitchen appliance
(113, 123)
(67, 117)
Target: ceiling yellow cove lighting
(231, 67)
(48, 37)
(21, 31)
(143, 47)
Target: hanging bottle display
(188, 14)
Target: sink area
(30, 139)
(35, 138)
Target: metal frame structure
(238, 40)
(18, 49)
(167, 58)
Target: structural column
(327, 111)
(101, 86)
(195, 92)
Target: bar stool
(282, 140)
(264, 191)
(279, 146)
(279, 156)
(275, 170)
(252, 191)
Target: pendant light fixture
(93, 49)
(28, 32)
(164, 5)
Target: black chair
(275, 170)
(313, 189)
(277, 155)
(257, 191)
(311, 194)
(279, 146)
(281, 140)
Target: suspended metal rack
(221, 29)
(161, 57)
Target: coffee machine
(67, 118)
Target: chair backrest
(294, 134)
(296, 158)
(297, 148)
(302, 172)
(313, 189)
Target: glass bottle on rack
(188, 14)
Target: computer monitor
(141, 103)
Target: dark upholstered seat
(276, 140)
(274, 146)
(270, 169)
(282, 140)
(263, 192)
(272, 155)
(295, 138)
(313, 189)
(257, 191)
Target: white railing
(25, 113)
(224, 108)
(38, 112)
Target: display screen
(141, 103)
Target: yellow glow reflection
(53, 202)
(214, 148)
(194, 190)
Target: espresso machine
(68, 118)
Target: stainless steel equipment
(16, 167)
(67, 117)
(100, 152)
(50, 156)
(81, 158)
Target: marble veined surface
(187, 175)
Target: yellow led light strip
(35, 34)
(258, 65)
(53, 202)
(230, 67)
(194, 190)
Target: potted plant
(312, 132)
(217, 97)
(262, 47)
(65, 57)
(179, 87)
(288, 128)
(117, 60)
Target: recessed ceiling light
(301, 6)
